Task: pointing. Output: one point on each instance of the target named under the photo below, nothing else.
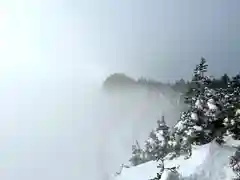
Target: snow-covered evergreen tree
(156, 146)
(213, 112)
(151, 144)
(235, 164)
(195, 126)
(163, 136)
(148, 149)
(208, 108)
(160, 139)
(138, 156)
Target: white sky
(43, 39)
(92, 38)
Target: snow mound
(144, 171)
(216, 166)
(208, 162)
(189, 166)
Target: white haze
(55, 121)
(51, 129)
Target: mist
(56, 128)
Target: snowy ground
(208, 162)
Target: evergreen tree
(150, 145)
(213, 112)
(225, 81)
(163, 136)
(156, 146)
(235, 164)
(203, 122)
(148, 151)
(137, 155)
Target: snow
(211, 104)
(168, 175)
(159, 136)
(150, 141)
(198, 104)
(187, 167)
(198, 128)
(190, 132)
(231, 142)
(210, 162)
(226, 120)
(141, 172)
(179, 126)
(216, 165)
(194, 116)
(233, 122)
(237, 112)
(172, 143)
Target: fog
(56, 128)
(55, 120)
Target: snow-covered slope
(208, 162)
(216, 166)
(141, 172)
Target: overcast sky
(159, 39)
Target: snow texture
(141, 172)
(208, 162)
(211, 105)
(198, 128)
(194, 116)
(180, 126)
(199, 104)
(237, 112)
(160, 136)
(168, 175)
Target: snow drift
(208, 162)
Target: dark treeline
(181, 86)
